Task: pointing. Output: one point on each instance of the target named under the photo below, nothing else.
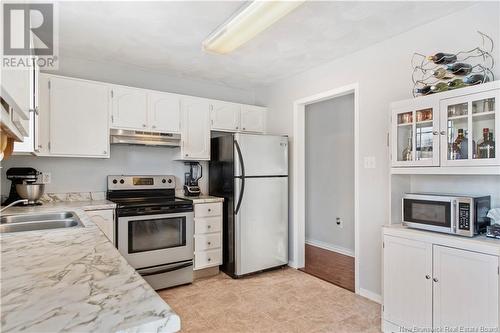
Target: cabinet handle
(427, 277)
(209, 259)
(237, 127)
(209, 243)
(244, 128)
(143, 125)
(435, 280)
(209, 226)
(435, 133)
(209, 210)
(105, 152)
(187, 155)
(443, 133)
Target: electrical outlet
(46, 177)
(339, 222)
(369, 162)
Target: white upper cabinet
(253, 119)
(195, 129)
(164, 112)
(78, 114)
(225, 116)
(457, 128)
(30, 142)
(129, 110)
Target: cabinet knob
(237, 127)
(105, 152)
(187, 155)
(435, 280)
(443, 133)
(209, 226)
(209, 210)
(143, 125)
(153, 126)
(244, 128)
(209, 259)
(209, 243)
(435, 133)
(427, 277)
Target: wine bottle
(459, 68)
(425, 90)
(442, 74)
(457, 83)
(473, 79)
(442, 58)
(439, 87)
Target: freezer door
(263, 155)
(262, 224)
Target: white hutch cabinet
(447, 129)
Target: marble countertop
(75, 280)
(61, 205)
(200, 199)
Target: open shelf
(405, 124)
(424, 122)
(458, 117)
(489, 114)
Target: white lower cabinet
(432, 286)
(105, 220)
(207, 235)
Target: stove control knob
(115, 181)
(163, 181)
(170, 181)
(122, 181)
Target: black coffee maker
(191, 178)
(19, 176)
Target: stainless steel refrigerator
(251, 173)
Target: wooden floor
(330, 266)
(279, 301)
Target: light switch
(369, 162)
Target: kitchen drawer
(209, 209)
(207, 242)
(208, 258)
(206, 225)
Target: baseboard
(293, 264)
(377, 298)
(330, 247)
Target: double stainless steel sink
(39, 221)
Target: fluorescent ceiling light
(247, 23)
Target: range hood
(132, 137)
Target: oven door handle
(164, 268)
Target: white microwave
(451, 214)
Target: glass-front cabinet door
(469, 130)
(415, 135)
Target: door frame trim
(298, 177)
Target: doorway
(299, 189)
(329, 196)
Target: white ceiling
(165, 37)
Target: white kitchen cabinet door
(79, 112)
(195, 129)
(164, 112)
(43, 134)
(407, 283)
(16, 90)
(225, 116)
(129, 110)
(253, 119)
(105, 220)
(465, 289)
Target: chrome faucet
(24, 201)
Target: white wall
(329, 152)
(137, 77)
(383, 72)
(89, 174)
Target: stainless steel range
(154, 229)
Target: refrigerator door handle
(242, 189)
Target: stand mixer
(191, 178)
(24, 186)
